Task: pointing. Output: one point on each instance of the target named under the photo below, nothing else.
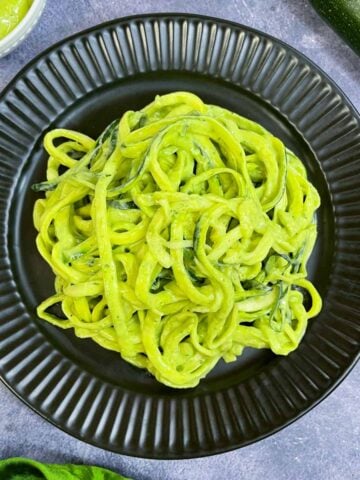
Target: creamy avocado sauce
(11, 14)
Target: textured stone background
(323, 445)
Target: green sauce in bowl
(11, 14)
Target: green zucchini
(344, 17)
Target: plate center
(90, 115)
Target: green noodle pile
(178, 238)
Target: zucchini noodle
(178, 238)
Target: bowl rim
(20, 32)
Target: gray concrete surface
(325, 443)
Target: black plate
(85, 82)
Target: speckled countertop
(325, 443)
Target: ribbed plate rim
(200, 18)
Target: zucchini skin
(343, 16)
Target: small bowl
(23, 29)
